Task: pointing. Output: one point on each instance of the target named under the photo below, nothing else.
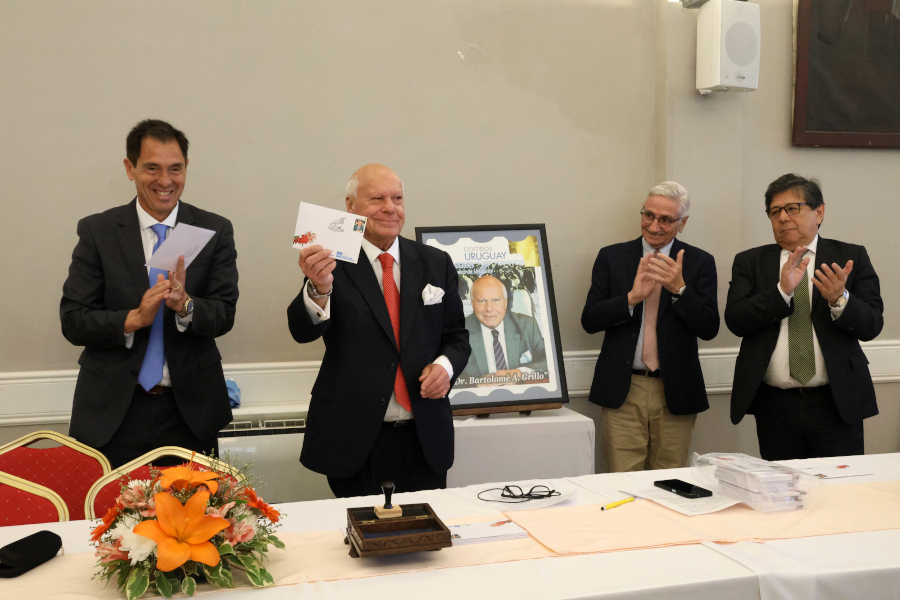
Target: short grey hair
(674, 191)
(353, 186)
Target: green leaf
(219, 576)
(226, 548)
(137, 584)
(276, 542)
(188, 586)
(163, 585)
(124, 573)
(250, 563)
(267, 577)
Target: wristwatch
(314, 293)
(842, 301)
(188, 307)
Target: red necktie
(392, 299)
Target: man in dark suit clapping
(653, 297)
(801, 370)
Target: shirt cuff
(445, 362)
(787, 298)
(837, 311)
(631, 310)
(129, 340)
(182, 323)
(316, 312)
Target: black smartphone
(683, 488)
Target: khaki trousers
(642, 433)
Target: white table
(548, 444)
(867, 564)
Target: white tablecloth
(859, 565)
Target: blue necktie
(151, 370)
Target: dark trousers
(803, 423)
(153, 420)
(396, 456)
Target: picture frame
(847, 74)
(512, 263)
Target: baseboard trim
(45, 397)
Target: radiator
(271, 442)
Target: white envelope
(336, 230)
(184, 240)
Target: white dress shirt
(778, 374)
(395, 412)
(148, 239)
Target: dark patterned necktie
(498, 351)
(801, 356)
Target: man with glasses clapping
(653, 296)
(801, 371)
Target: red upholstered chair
(23, 502)
(68, 469)
(102, 495)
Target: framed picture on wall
(507, 293)
(847, 67)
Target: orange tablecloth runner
(645, 524)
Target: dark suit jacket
(107, 279)
(522, 333)
(356, 379)
(755, 309)
(679, 324)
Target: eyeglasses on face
(791, 208)
(664, 221)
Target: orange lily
(257, 502)
(185, 476)
(182, 533)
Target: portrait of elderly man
(379, 409)
(506, 345)
(801, 371)
(653, 297)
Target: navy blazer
(755, 308)
(694, 315)
(356, 379)
(107, 279)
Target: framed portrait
(847, 68)
(507, 294)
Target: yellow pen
(619, 503)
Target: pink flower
(240, 531)
(220, 511)
(107, 552)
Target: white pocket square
(432, 295)
(525, 358)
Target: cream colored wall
(510, 111)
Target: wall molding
(45, 397)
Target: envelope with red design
(336, 230)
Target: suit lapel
(771, 267)
(513, 342)
(665, 296)
(363, 277)
(132, 246)
(412, 283)
(479, 352)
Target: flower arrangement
(185, 523)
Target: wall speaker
(728, 44)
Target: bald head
(489, 301)
(376, 192)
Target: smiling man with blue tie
(151, 374)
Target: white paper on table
(834, 471)
(489, 494)
(184, 240)
(336, 230)
(485, 531)
(686, 506)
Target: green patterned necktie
(801, 357)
